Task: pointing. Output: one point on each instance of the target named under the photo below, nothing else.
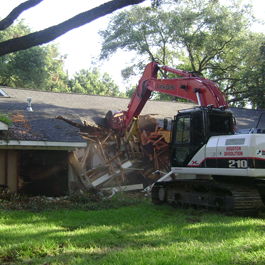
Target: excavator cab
(192, 129)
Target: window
(183, 130)
(220, 124)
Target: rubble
(111, 163)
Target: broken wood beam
(88, 138)
(158, 140)
(78, 169)
(106, 163)
(106, 177)
(85, 156)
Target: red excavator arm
(197, 89)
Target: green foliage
(92, 200)
(252, 84)
(5, 119)
(146, 31)
(91, 82)
(130, 92)
(40, 67)
(203, 36)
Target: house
(36, 146)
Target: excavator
(213, 167)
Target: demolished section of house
(108, 161)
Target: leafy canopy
(42, 68)
(39, 67)
(201, 35)
(91, 82)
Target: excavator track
(223, 197)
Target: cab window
(183, 130)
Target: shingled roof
(38, 128)
(93, 108)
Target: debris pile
(109, 161)
(22, 130)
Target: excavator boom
(197, 89)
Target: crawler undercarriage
(201, 194)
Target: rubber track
(239, 200)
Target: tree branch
(215, 52)
(49, 34)
(234, 100)
(226, 78)
(14, 14)
(191, 56)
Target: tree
(145, 31)
(44, 36)
(39, 67)
(253, 77)
(91, 82)
(205, 37)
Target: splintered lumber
(87, 138)
(85, 156)
(78, 169)
(158, 140)
(104, 157)
(107, 149)
(100, 144)
(106, 163)
(106, 177)
(166, 177)
(113, 158)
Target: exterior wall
(3, 167)
(43, 172)
(35, 172)
(9, 169)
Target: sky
(83, 44)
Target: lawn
(138, 234)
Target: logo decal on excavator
(261, 152)
(233, 151)
(166, 87)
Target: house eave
(41, 145)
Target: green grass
(139, 234)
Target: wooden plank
(167, 177)
(88, 139)
(78, 169)
(96, 148)
(106, 163)
(158, 140)
(85, 156)
(104, 156)
(108, 176)
(101, 180)
(127, 187)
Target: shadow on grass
(111, 233)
